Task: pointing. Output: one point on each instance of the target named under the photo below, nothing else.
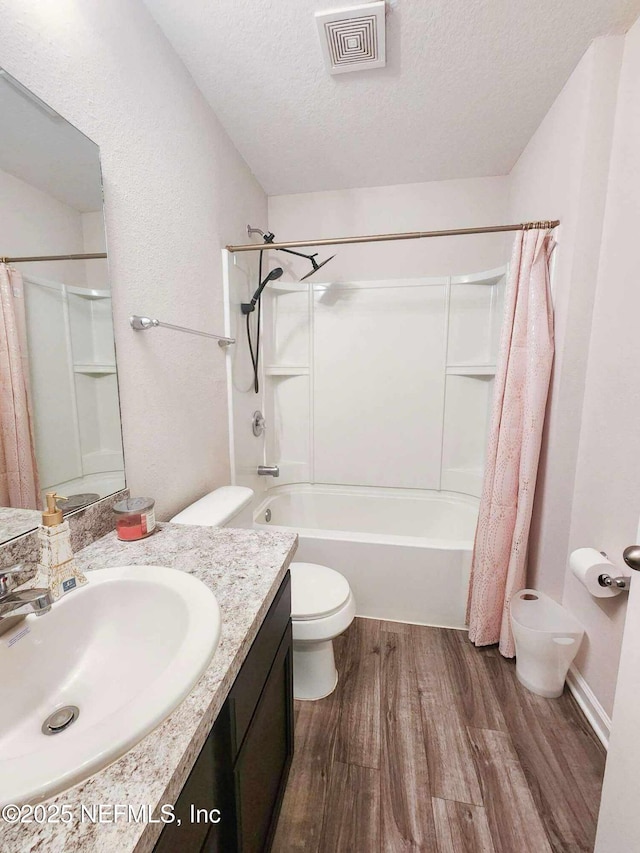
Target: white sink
(125, 649)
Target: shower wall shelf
(286, 370)
(94, 369)
(471, 370)
(88, 293)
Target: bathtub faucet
(268, 471)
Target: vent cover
(353, 39)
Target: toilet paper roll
(587, 564)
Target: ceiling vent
(353, 39)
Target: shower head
(269, 237)
(316, 266)
(248, 307)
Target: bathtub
(406, 553)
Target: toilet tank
(228, 506)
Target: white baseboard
(596, 716)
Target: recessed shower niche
(377, 383)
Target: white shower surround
(402, 365)
(405, 552)
(396, 517)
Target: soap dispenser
(57, 569)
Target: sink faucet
(16, 604)
(268, 471)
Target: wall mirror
(59, 408)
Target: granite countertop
(244, 568)
(15, 522)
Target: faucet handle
(6, 584)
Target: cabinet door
(248, 686)
(207, 789)
(262, 765)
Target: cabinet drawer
(246, 691)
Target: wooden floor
(428, 744)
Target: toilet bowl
(547, 639)
(322, 605)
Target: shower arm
(270, 237)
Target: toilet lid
(316, 591)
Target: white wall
(34, 223)
(565, 173)
(406, 207)
(176, 190)
(606, 504)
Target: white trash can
(547, 639)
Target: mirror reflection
(59, 409)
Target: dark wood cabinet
(240, 775)
(262, 765)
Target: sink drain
(60, 720)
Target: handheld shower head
(248, 307)
(274, 274)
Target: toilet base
(314, 670)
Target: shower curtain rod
(85, 257)
(409, 235)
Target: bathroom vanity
(228, 745)
(238, 781)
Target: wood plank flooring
(428, 744)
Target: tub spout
(268, 471)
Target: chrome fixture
(622, 582)
(545, 225)
(268, 471)
(631, 556)
(60, 720)
(140, 324)
(268, 239)
(258, 425)
(16, 604)
(267, 516)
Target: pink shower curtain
(19, 485)
(498, 568)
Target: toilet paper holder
(631, 556)
(622, 583)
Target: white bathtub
(406, 553)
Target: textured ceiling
(466, 84)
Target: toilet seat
(317, 592)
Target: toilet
(228, 506)
(547, 639)
(322, 607)
(322, 604)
